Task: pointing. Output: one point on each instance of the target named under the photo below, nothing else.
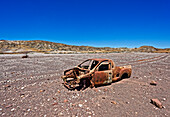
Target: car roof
(99, 59)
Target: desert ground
(32, 87)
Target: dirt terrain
(32, 87)
(39, 46)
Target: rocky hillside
(51, 47)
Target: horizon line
(53, 41)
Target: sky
(99, 23)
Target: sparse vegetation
(14, 47)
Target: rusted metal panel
(102, 77)
(96, 72)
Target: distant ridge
(51, 47)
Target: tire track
(142, 61)
(26, 79)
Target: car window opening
(94, 63)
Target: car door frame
(103, 77)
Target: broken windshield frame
(85, 64)
(88, 64)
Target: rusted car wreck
(94, 72)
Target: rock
(105, 89)
(103, 98)
(22, 87)
(7, 86)
(96, 90)
(26, 56)
(12, 109)
(153, 83)
(164, 99)
(113, 102)
(54, 103)
(65, 100)
(22, 95)
(8, 106)
(98, 105)
(73, 104)
(89, 113)
(42, 90)
(157, 103)
(80, 105)
(54, 98)
(60, 114)
(135, 77)
(150, 73)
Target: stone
(153, 83)
(105, 89)
(113, 102)
(103, 98)
(164, 99)
(7, 86)
(54, 103)
(54, 98)
(89, 113)
(8, 106)
(80, 105)
(65, 100)
(22, 87)
(96, 90)
(73, 104)
(22, 95)
(157, 103)
(42, 90)
(12, 109)
(60, 114)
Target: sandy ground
(32, 87)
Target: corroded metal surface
(94, 72)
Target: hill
(51, 47)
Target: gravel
(33, 87)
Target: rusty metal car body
(94, 72)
